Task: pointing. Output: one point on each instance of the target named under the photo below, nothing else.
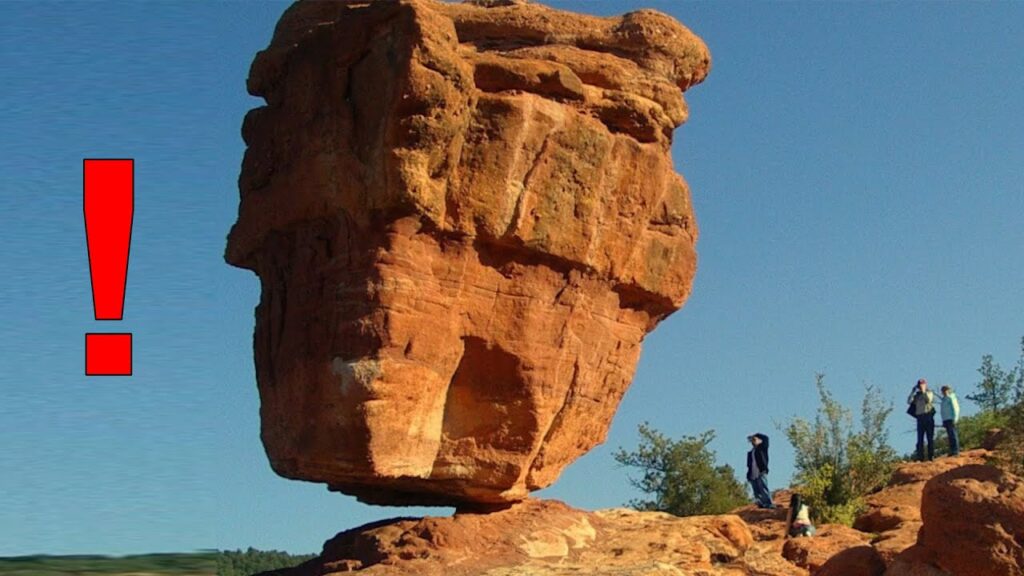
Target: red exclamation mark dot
(109, 204)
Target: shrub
(835, 465)
(1010, 455)
(681, 476)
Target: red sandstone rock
(812, 553)
(764, 558)
(915, 561)
(541, 538)
(894, 513)
(891, 507)
(465, 220)
(767, 524)
(549, 538)
(910, 472)
(856, 561)
(974, 521)
(892, 542)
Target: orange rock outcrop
(464, 219)
(967, 521)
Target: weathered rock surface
(974, 521)
(915, 561)
(854, 561)
(465, 219)
(831, 539)
(893, 514)
(543, 538)
(892, 542)
(977, 511)
(767, 525)
(911, 472)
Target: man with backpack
(922, 407)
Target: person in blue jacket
(950, 411)
(757, 470)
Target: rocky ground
(950, 517)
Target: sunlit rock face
(464, 218)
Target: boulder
(812, 553)
(464, 219)
(892, 542)
(765, 558)
(891, 507)
(974, 521)
(856, 561)
(916, 561)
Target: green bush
(836, 466)
(817, 489)
(1010, 456)
(681, 476)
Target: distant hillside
(211, 563)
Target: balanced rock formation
(465, 219)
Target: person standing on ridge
(923, 402)
(757, 470)
(950, 412)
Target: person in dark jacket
(922, 404)
(757, 470)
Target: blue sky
(857, 171)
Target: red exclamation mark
(109, 204)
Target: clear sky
(857, 171)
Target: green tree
(681, 476)
(252, 561)
(1011, 450)
(836, 465)
(996, 386)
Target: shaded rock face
(465, 219)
